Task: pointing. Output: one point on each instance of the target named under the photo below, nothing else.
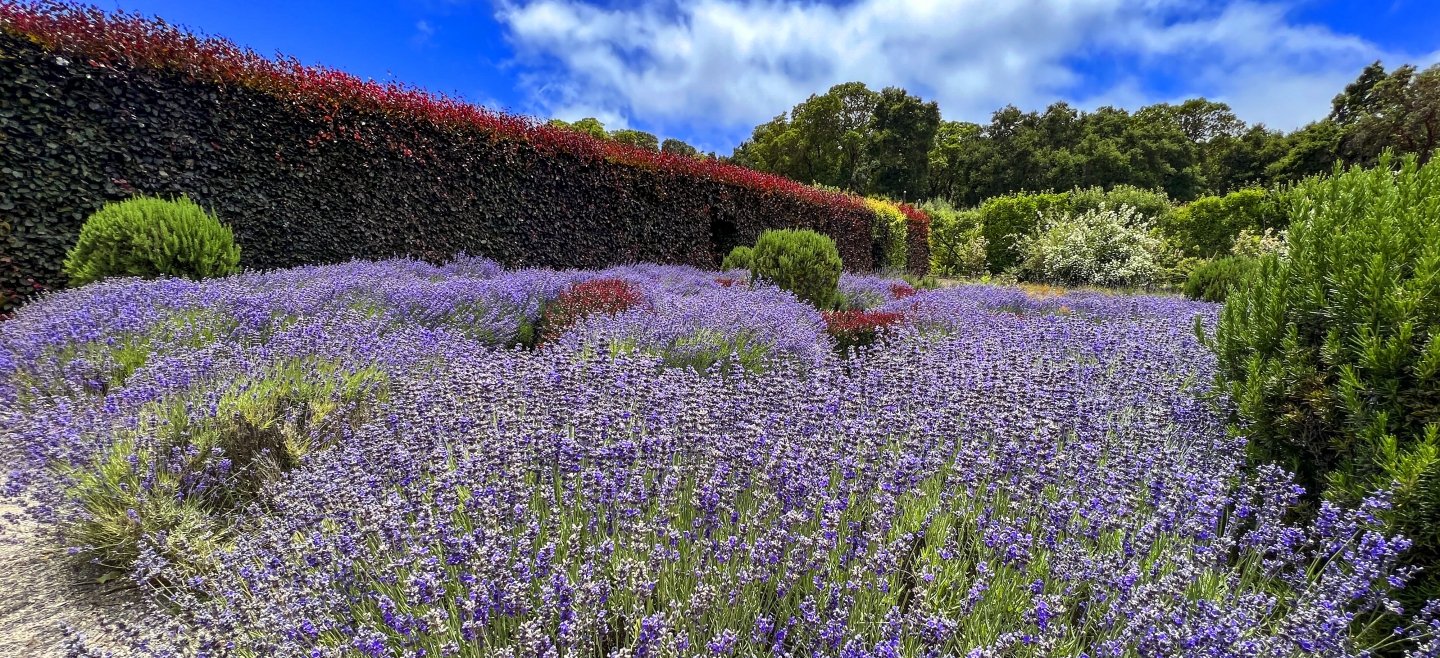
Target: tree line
(637, 138)
(895, 144)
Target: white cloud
(423, 32)
(723, 65)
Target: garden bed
(398, 458)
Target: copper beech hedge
(311, 165)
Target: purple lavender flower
(1007, 476)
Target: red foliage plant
(125, 39)
(854, 328)
(917, 238)
(901, 290)
(582, 300)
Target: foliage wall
(310, 165)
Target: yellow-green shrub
(148, 236)
(889, 232)
(801, 261)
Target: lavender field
(401, 459)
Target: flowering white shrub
(1103, 247)
(1254, 245)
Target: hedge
(311, 165)
(917, 238)
(890, 232)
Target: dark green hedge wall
(310, 184)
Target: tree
(957, 143)
(776, 148)
(902, 131)
(1233, 162)
(821, 140)
(1308, 151)
(1203, 120)
(676, 147)
(853, 138)
(636, 138)
(589, 125)
(1401, 112)
(1357, 100)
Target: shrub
(1332, 354)
(1153, 205)
(149, 237)
(917, 240)
(854, 328)
(582, 300)
(957, 241)
(802, 261)
(1251, 244)
(927, 282)
(1213, 280)
(888, 233)
(1207, 227)
(1008, 220)
(738, 259)
(1101, 247)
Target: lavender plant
(1005, 476)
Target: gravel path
(41, 590)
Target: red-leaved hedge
(311, 165)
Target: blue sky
(707, 71)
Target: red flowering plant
(855, 328)
(582, 300)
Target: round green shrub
(801, 261)
(148, 237)
(739, 259)
(1213, 280)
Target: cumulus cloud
(730, 64)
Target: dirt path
(41, 590)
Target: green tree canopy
(636, 138)
(677, 147)
(822, 140)
(902, 132)
(853, 138)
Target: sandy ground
(42, 589)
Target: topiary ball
(801, 261)
(739, 259)
(149, 237)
